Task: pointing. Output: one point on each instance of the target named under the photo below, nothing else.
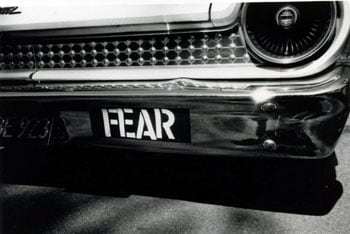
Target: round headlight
(288, 33)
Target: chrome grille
(225, 47)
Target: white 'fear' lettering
(129, 122)
(145, 121)
(122, 118)
(167, 125)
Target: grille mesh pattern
(179, 49)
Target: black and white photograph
(176, 116)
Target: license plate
(154, 124)
(24, 129)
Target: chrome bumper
(297, 118)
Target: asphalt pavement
(79, 194)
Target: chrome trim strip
(257, 90)
(132, 30)
(16, 75)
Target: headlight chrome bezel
(288, 60)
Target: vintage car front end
(237, 79)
